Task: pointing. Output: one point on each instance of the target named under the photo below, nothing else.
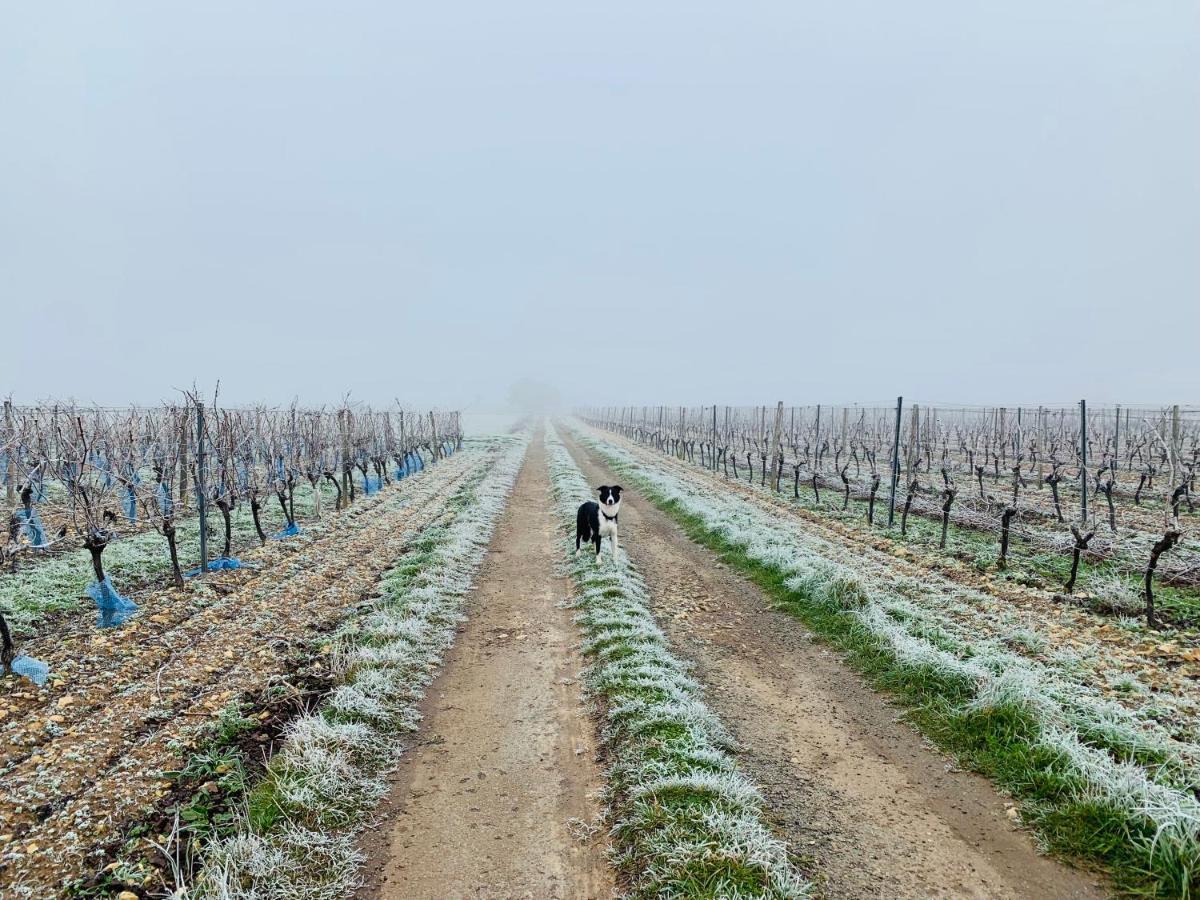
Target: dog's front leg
(614, 546)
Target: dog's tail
(7, 652)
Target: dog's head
(610, 497)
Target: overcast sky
(678, 202)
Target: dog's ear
(603, 487)
(616, 489)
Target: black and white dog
(596, 521)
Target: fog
(623, 202)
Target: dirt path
(484, 806)
(879, 813)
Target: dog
(596, 521)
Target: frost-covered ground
(297, 839)
(1123, 742)
(89, 756)
(685, 821)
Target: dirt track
(876, 811)
(488, 804)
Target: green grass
(216, 771)
(684, 821)
(1000, 743)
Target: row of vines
(82, 478)
(1111, 484)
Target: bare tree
(871, 499)
(1053, 479)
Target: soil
(85, 757)
(499, 796)
(874, 810)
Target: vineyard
(163, 566)
(840, 652)
(1112, 488)
(1012, 615)
(339, 561)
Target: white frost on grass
(291, 863)
(1114, 593)
(685, 821)
(1095, 737)
(350, 700)
(332, 767)
(323, 785)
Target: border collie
(596, 521)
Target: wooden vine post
(895, 463)
(1083, 474)
(1176, 446)
(201, 487)
(10, 490)
(182, 421)
(914, 438)
(776, 446)
(714, 438)
(1116, 457)
(817, 449)
(344, 428)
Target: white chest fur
(607, 526)
(608, 518)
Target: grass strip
(685, 821)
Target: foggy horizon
(679, 205)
